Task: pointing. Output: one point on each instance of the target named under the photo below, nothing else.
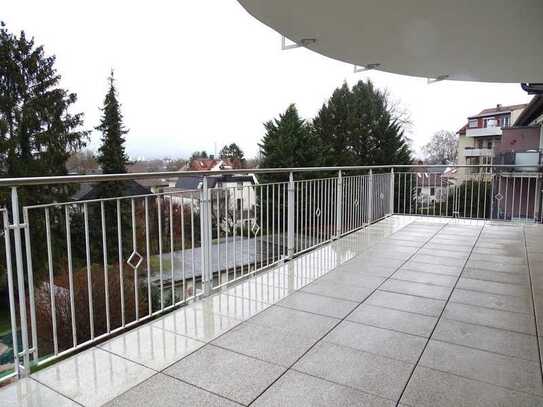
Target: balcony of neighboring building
(478, 152)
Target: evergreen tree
(233, 153)
(359, 126)
(288, 142)
(37, 131)
(111, 154)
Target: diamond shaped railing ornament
(318, 212)
(356, 203)
(135, 260)
(255, 229)
(382, 196)
(499, 197)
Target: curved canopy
(473, 40)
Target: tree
(442, 148)
(361, 126)
(37, 131)
(289, 142)
(111, 154)
(198, 155)
(82, 162)
(234, 154)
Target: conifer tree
(288, 142)
(111, 154)
(360, 126)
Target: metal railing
(81, 271)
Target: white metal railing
(81, 271)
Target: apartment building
(479, 138)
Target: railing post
(370, 197)
(290, 213)
(205, 238)
(16, 226)
(339, 205)
(391, 191)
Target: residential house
(479, 138)
(519, 188)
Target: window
(489, 145)
(490, 122)
(506, 121)
(432, 191)
(238, 204)
(473, 123)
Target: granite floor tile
(491, 339)
(341, 291)
(273, 345)
(425, 278)
(374, 374)
(296, 389)
(518, 322)
(512, 373)
(433, 268)
(493, 287)
(318, 304)
(522, 279)
(418, 289)
(404, 302)
(152, 347)
(379, 341)
(495, 301)
(29, 393)
(93, 377)
(298, 322)
(229, 374)
(387, 318)
(165, 391)
(432, 388)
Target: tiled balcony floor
(408, 312)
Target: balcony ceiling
(481, 40)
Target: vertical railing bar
(172, 277)
(30, 275)
(285, 215)
(148, 255)
(11, 291)
(267, 224)
(273, 223)
(491, 192)
(134, 248)
(339, 203)
(235, 224)
(89, 275)
(193, 244)
(520, 199)
(218, 230)
(52, 286)
(70, 274)
(261, 188)
(120, 249)
(226, 233)
(183, 276)
(160, 260)
(527, 198)
(106, 271)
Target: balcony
(478, 152)
(351, 290)
(484, 131)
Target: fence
(81, 271)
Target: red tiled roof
(500, 109)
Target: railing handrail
(72, 179)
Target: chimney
(498, 107)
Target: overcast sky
(197, 74)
